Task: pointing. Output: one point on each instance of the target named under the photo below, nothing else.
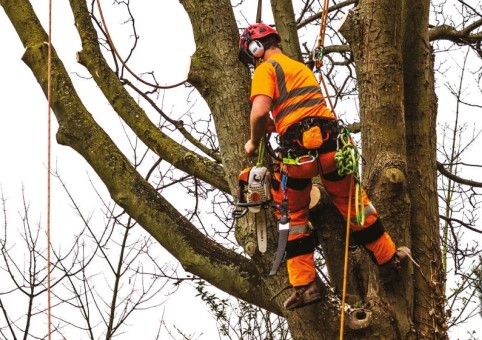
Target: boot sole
(305, 303)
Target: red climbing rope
(111, 43)
(320, 51)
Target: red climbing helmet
(250, 46)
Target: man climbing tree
(308, 134)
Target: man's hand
(250, 148)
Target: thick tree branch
(337, 49)
(175, 154)
(198, 254)
(284, 17)
(218, 75)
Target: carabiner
(310, 159)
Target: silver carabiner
(310, 159)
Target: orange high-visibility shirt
(293, 88)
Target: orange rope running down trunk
(345, 268)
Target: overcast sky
(23, 137)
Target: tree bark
(373, 30)
(421, 118)
(284, 17)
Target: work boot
(303, 295)
(391, 270)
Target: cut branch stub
(394, 175)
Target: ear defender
(256, 49)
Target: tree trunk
(395, 77)
(284, 16)
(373, 30)
(421, 117)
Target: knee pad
(298, 183)
(300, 246)
(370, 233)
(333, 176)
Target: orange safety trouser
(301, 268)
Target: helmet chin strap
(258, 61)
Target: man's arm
(259, 122)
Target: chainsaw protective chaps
(301, 266)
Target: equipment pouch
(312, 138)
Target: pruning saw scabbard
(283, 232)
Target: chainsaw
(254, 194)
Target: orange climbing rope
(320, 51)
(324, 17)
(49, 91)
(318, 59)
(345, 266)
(111, 43)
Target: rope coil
(347, 159)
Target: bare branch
(446, 32)
(455, 178)
(462, 223)
(330, 9)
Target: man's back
(294, 89)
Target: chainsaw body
(254, 188)
(253, 194)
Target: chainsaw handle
(250, 204)
(269, 148)
(239, 213)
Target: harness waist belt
(290, 141)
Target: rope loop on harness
(347, 156)
(347, 159)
